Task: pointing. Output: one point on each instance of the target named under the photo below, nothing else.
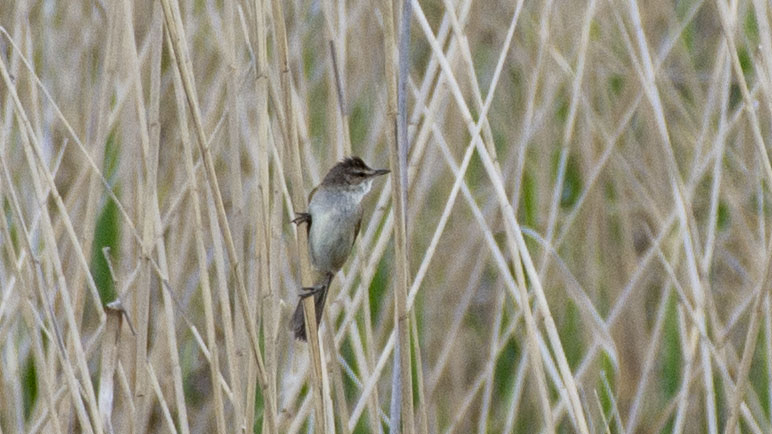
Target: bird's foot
(309, 291)
(302, 217)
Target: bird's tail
(298, 323)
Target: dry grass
(582, 246)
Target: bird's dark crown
(353, 163)
(350, 171)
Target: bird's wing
(356, 229)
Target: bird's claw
(309, 291)
(302, 217)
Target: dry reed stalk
(237, 219)
(289, 132)
(174, 27)
(38, 169)
(396, 134)
(533, 340)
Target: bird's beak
(379, 172)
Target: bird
(332, 222)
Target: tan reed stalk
(174, 27)
(289, 131)
(404, 387)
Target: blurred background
(606, 159)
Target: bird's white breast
(334, 216)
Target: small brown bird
(333, 219)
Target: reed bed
(573, 237)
